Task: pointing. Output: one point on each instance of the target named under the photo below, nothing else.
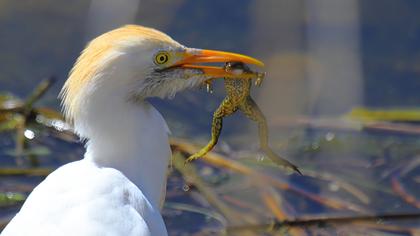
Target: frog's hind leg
(253, 112)
(225, 109)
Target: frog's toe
(286, 163)
(192, 158)
(295, 168)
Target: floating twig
(306, 222)
(400, 191)
(37, 93)
(346, 186)
(26, 171)
(195, 209)
(258, 177)
(346, 124)
(190, 174)
(22, 114)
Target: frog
(238, 98)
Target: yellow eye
(161, 58)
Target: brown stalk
(273, 203)
(258, 177)
(398, 188)
(344, 185)
(190, 174)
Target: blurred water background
(324, 59)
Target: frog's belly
(237, 89)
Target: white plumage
(119, 186)
(93, 201)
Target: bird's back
(83, 199)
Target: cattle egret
(119, 185)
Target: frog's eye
(161, 58)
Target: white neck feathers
(132, 138)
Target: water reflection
(332, 37)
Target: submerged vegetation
(403, 115)
(355, 180)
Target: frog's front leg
(253, 112)
(209, 85)
(226, 108)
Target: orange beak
(193, 57)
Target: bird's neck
(132, 138)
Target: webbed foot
(279, 160)
(197, 155)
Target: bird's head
(138, 62)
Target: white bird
(119, 185)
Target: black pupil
(162, 58)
